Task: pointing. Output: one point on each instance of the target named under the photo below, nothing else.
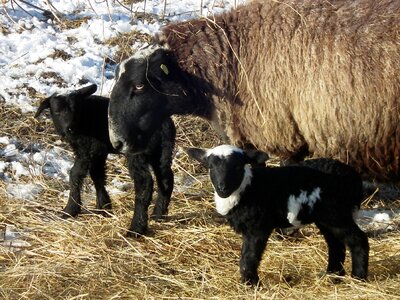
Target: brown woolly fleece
(292, 76)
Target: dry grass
(125, 41)
(191, 255)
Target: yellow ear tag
(165, 69)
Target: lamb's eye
(139, 87)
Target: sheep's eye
(139, 87)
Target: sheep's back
(295, 74)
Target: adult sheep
(292, 78)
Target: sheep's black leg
(143, 182)
(165, 184)
(357, 241)
(336, 250)
(76, 176)
(252, 250)
(98, 175)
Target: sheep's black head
(227, 165)
(140, 98)
(65, 109)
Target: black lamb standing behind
(256, 200)
(81, 118)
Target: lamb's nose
(222, 188)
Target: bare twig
(29, 4)
(126, 7)
(91, 6)
(8, 15)
(54, 11)
(164, 9)
(109, 11)
(103, 67)
(23, 9)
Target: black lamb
(81, 119)
(255, 200)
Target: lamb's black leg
(98, 175)
(165, 185)
(143, 182)
(357, 241)
(336, 250)
(252, 250)
(76, 176)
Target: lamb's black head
(140, 97)
(227, 165)
(65, 109)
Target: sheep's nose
(118, 145)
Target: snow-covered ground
(28, 44)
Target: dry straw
(193, 254)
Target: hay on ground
(193, 254)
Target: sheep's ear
(160, 65)
(87, 90)
(44, 105)
(198, 154)
(256, 157)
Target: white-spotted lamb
(81, 119)
(256, 200)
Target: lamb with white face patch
(223, 151)
(256, 200)
(224, 205)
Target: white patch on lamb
(223, 150)
(295, 203)
(224, 205)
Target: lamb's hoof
(285, 233)
(137, 231)
(106, 206)
(66, 214)
(335, 278)
(159, 213)
(251, 281)
(361, 277)
(158, 217)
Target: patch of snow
(378, 219)
(22, 191)
(10, 238)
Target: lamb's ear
(44, 105)
(116, 73)
(256, 157)
(198, 154)
(87, 90)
